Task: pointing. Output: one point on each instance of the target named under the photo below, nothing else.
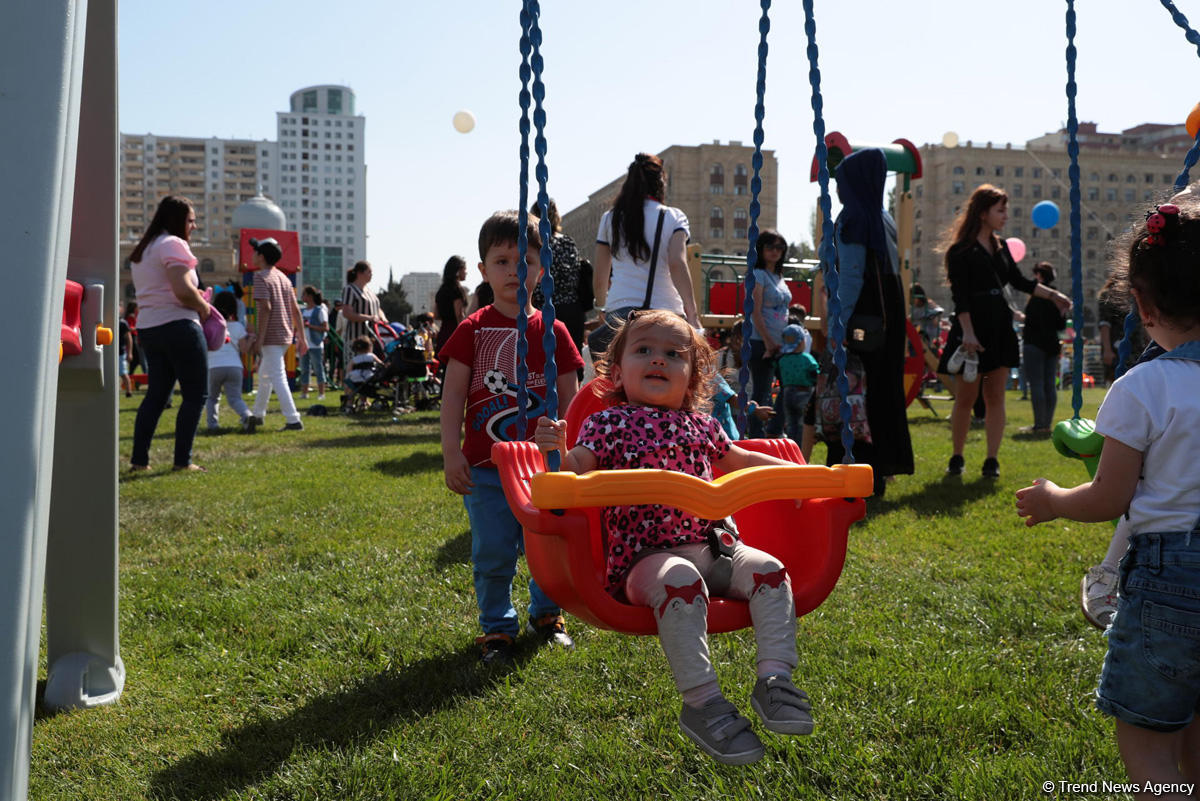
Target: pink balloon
(1016, 248)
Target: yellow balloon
(950, 139)
(464, 121)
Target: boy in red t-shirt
(480, 391)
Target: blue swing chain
(828, 250)
(1180, 20)
(531, 61)
(764, 26)
(1076, 221)
(1189, 161)
(522, 222)
(542, 172)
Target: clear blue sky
(630, 75)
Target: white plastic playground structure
(58, 422)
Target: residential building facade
(710, 183)
(315, 171)
(1121, 175)
(419, 289)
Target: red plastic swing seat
(565, 549)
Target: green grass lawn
(298, 623)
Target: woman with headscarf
(869, 288)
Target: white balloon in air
(950, 139)
(464, 121)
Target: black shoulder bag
(662, 212)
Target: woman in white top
(170, 312)
(624, 246)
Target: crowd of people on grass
(680, 397)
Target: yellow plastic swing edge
(710, 500)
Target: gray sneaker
(721, 732)
(251, 423)
(781, 707)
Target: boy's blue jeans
(496, 542)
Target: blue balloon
(1045, 214)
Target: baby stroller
(403, 381)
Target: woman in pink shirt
(170, 312)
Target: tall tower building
(322, 182)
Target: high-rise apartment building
(1121, 175)
(216, 175)
(420, 289)
(710, 183)
(322, 182)
(315, 172)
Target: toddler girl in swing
(1150, 420)
(661, 370)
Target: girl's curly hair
(704, 359)
(1164, 267)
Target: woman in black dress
(978, 267)
(451, 299)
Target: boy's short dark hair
(226, 304)
(502, 228)
(360, 344)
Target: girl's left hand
(550, 435)
(1035, 503)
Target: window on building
(1149, 177)
(1094, 176)
(959, 170)
(335, 101)
(999, 171)
(1148, 194)
(1018, 190)
(716, 233)
(1018, 172)
(1130, 195)
(1055, 191)
(309, 101)
(1110, 194)
(1037, 190)
(1093, 193)
(716, 189)
(1131, 179)
(980, 171)
(957, 188)
(1112, 177)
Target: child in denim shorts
(1150, 420)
